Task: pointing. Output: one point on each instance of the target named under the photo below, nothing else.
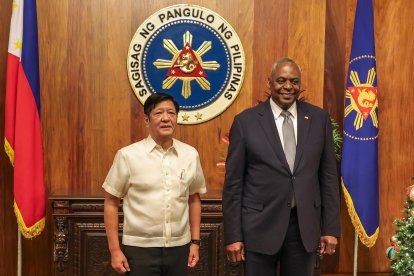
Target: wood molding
(80, 245)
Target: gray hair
(283, 61)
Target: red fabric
(29, 191)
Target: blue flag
(360, 140)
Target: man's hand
(119, 262)
(235, 252)
(327, 245)
(194, 255)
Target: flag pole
(19, 253)
(356, 253)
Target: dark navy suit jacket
(259, 185)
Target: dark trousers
(291, 260)
(160, 261)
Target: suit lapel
(267, 122)
(304, 121)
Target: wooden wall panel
(270, 42)
(89, 110)
(53, 58)
(86, 102)
(111, 97)
(335, 58)
(306, 43)
(333, 101)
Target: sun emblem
(363, 99)
(186, 65)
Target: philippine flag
(23, 139)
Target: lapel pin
(306, 117)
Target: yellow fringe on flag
(368, 241)
(28, 232)
(37, 228)
(9, 151)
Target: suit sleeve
(233, 184)
(328, 178)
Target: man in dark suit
(281, 191)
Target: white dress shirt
(277, 110)
(155, 185)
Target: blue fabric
(360, 140)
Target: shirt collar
(151, 145)
(276, 110)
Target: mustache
(292, 92)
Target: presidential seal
(191, 53)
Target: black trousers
(160, 261)
(291, 260)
